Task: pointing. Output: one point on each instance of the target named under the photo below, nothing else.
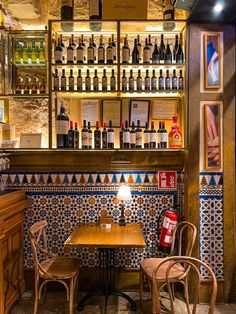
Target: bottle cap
(104, 125)
(122, 125)
(71, 124)
(175, 119)
(76, 125)
(97, 124)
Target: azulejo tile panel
(66, 199)
(211, 222)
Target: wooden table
(106, 240)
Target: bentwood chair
(184, 236)
(53, 268)
(190, 267)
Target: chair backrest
(38, 240)
(192, 264)
(184, 237)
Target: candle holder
(124, 194)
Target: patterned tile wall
(211, 222)
(69, 198)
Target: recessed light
(218, 7)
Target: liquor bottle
(63, 80)
(167, 80)
(147, 82)
(146, 52)
(58, 53)
(90, 136)
(146, 136)
(18, 54)
(80, 52)
(124, 82)
(168, 10)
(180, 54)
(97, 136)
(95, 81)
(125, 52)
(113, 80)
(70, 53)
(113, 43)
(42, 85)
(159, 135)
(132, 137)
(71, 81)
(110, 136)
(76, 136)
(62, 125)
(94, 47)
(104, 136)
(66, 10)
(27, 86)
(138, 136)
(25, 53)
(168, 54)
(164, 135)
(175, 135)
(33, 53)
(71, 134)
(139, 47)
(56, 80)
(121, 135)
(161, 81)
(87, 82)
(101, 51)
(153, 82)
(174, 80)
(84, 135)
(150, 45)
(131, 81)
(109, 52)
(79, 81)
(135, 52)
(104, 81)
(180, 80)
(162, 50)
(95, 9)
(126, 136)
(175, 48)
(41, 53)
(139, 82)
(155, 54)
(90, 52)
(152, 136)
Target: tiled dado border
(211, 221)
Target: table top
(95, 236)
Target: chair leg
(186, 296)
(72, 289)
(36, 297)
(141, 286)
(156, 304)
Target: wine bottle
(41, 53)
(139, 82)
(27, 84)
(18, 53)
(61, 43)
(146, 52)
(155, 54)
(33, 53)
(42, 85)
(132, 137)
(71, 135)
(168, 10)
(175, 135)
(95, 81)
(146, 136)
(97, 136)
(79, 81)
(138, 136)
(84, 135)
(113, 80)
(101, 52)
(110, 136)
(29, 51)
(95, 9)
(87, 82)
(80, 52)
(104, 136)
(160, 81)
(94, 47)
(71, 81)
(124, 82)
(62, 125)
(90, 52)
(167, 80)
(131, 81)
(25, 53)
(126, 136)
(164, 136)
(19, 85)
(56, 80)
(83, 45)
(113, 43)
(152, 136)
(150, 45)
(180, 55)
(76, 136)
(135, 52)
(90, 136)
(174, 80)
(121, 135)
(66, 10)
(175, 48)
(109, 52)
(139, 47)
(73, 45)
(63, 80)
(57, 53)
(104, 81)
(70, 53)
(159, 135)
(153, 82)
(168, 54)
(147, 82)
(180, 80)
(35, 85)
(125, 52)
(162, 50)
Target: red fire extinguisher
(170, 221)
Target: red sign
(167, 180)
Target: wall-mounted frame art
(30, 140)
(139, 110)
(164, 109)
(212, 61)
(111, 110)
(212, 130)
(90, 111)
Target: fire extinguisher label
(168, 239)
(166, 222)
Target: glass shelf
(27, 65)
(28, 96)
(91, 65)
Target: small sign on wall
(124, 9)
(167, 180)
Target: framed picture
(164, 109)
(111, 110)
(30, 140)
(139, 110)
(90, 111)
(212, 61)
(212, 129)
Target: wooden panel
(5, 250)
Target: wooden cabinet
(12, 283)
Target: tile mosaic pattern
(211, 222)
(69, 198)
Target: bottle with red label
(175, 135)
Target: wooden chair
(191, 267)
(184, 230)
(53, 268)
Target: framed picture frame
(90, 111)
(30, 140)
(139, 110)
(212, 61)
(111, 110)
(212, 136)
(164, 109)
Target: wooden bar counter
(12, 283)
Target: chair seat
(149, 264)
(61, 267)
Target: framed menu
(90, 111)
(111, 110)
(139, 110)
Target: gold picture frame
(90, 111)
(111, 110)
(212, 136)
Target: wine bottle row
(132, 138)
(139, 83)
(30, 52)
(30, 85)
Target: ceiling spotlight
(218, 7)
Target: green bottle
(33, 53)
(42, 57)
(29, 53)
(25, 53)
(18, 54)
